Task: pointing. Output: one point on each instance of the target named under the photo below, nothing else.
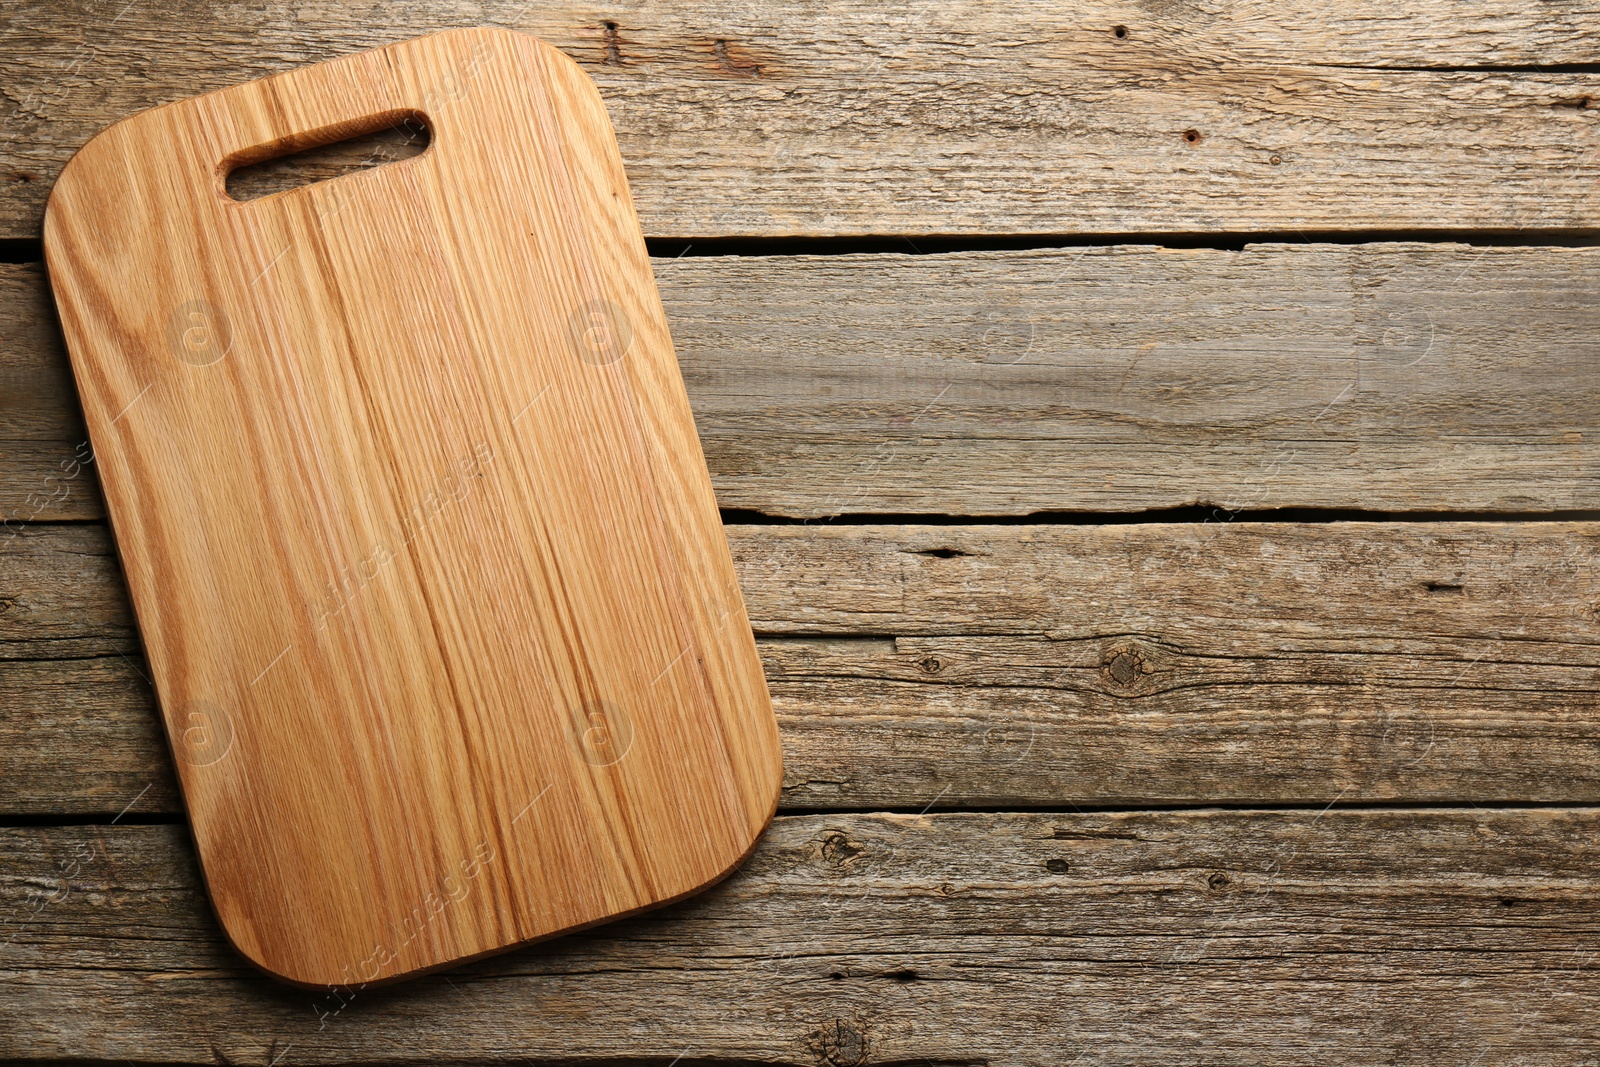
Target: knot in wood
(1124, 665)
(840, 1043)
(838, 850)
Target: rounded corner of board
(77, 164)
(271, 968)
(752, 841)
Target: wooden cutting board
(423, 549)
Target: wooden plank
(791, 118)
(1429, 937)
(1393, 376)
(46, 468)
(1018, 666)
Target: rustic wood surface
(985, 666)
(1453, 936)
(792, 118)
(1341, 673)
(1401, 377)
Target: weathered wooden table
(1158, 440)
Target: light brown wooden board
(1388, 376)
(1019, 665)
(1443, 937)
(438, 682)
(1027, 117)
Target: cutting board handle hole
(331, 152)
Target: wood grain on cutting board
(418, 531)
